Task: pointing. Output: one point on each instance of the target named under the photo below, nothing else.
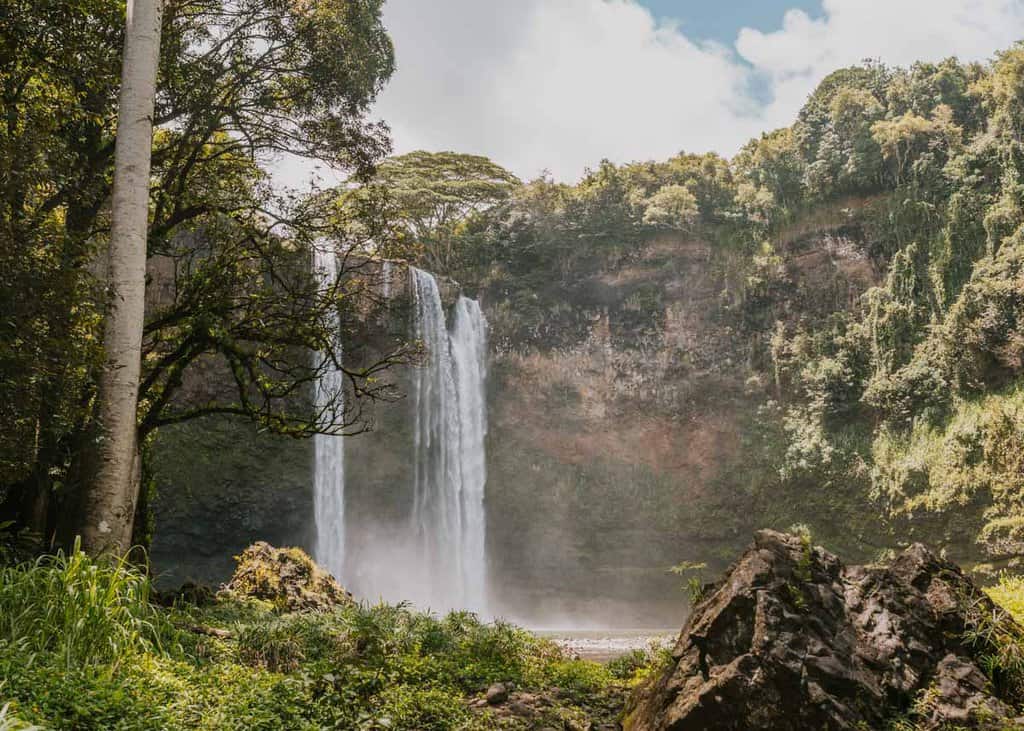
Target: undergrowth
(70, 608)
(82, 647)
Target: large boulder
(792, 639)
(286, 577)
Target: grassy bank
(83, 646)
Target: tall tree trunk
(108, 505)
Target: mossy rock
(287, 578)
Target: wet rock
(286, 577)
(497, 694)
(792, 639)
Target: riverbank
(603, 646)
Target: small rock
(497, 694)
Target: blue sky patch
(721, 20)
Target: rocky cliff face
(221, 485)
(623, 449)
(618, 446)
(793, 639)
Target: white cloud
(560, 84)
(796, 57)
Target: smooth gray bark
(108, 505)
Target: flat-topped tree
(426, 196)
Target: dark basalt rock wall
(221, 484)
(793, 639)
(638, 383)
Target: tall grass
(1009, 594)
(84, 611)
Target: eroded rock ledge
(793, 639)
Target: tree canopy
(427, 195)
(231, 291)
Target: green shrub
(626, 666)
(423, 709)
(85, 698)
(9, 722)
(482, 654)
(999, 644)
(579, 677)
(271, 645)
(283, 643)
(693, 572)
(636, 666)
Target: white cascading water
(469, 357)
(449, 462)
(440, 562)
(329, 451)
(385, 278)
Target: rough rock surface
(497, 694)
(792, 639)
(287, 577)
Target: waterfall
(329, 451)
(449, 467)
(385, 276)
(424, 541)
(469, 356)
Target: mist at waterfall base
(437, 559)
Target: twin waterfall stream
(329, 451)
(443, 564)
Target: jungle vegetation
(911, 400)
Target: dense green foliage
(916, 386)
(81, 647)
(230, 293)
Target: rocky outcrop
(286, 577)
(793, 639)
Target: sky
(721, 21)
(558, 85)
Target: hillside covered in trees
(860, 300)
